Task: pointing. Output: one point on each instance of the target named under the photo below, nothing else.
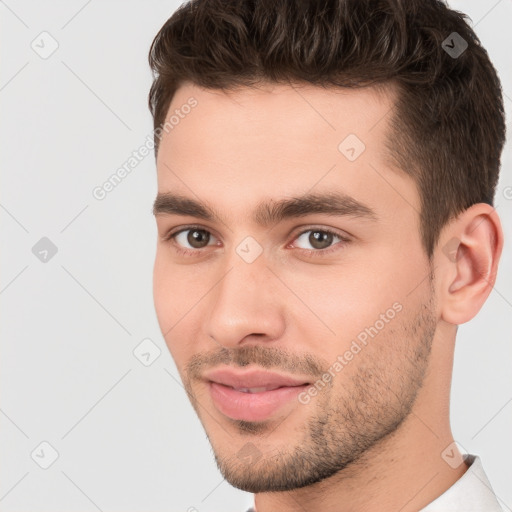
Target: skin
(373, 438)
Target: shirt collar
(471, 492)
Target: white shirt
(472, 492)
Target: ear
(469, 250)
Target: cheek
(351, 302)
(175, 290)
(168, 301)
(176, 293)
(162, 284)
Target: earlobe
(469, 268)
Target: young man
(326, 174)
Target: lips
(253, 380)
(251, 395)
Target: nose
(246, 305)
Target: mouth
(252, 404)
(252, 395)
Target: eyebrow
(270, 211)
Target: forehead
(296, 112)
(280, 140)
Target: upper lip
(252, 378)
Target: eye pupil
(320, 239)
(196, 237)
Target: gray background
(126, 435)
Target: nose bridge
(245, 302)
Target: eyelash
(309, 252)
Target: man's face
(334, 309)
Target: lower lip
(251, 406)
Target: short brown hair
(448, 124)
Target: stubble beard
(371, 406)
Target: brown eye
(318, 242)
(198, 238)
(191, 238)
(320, 239)
(317, 239)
